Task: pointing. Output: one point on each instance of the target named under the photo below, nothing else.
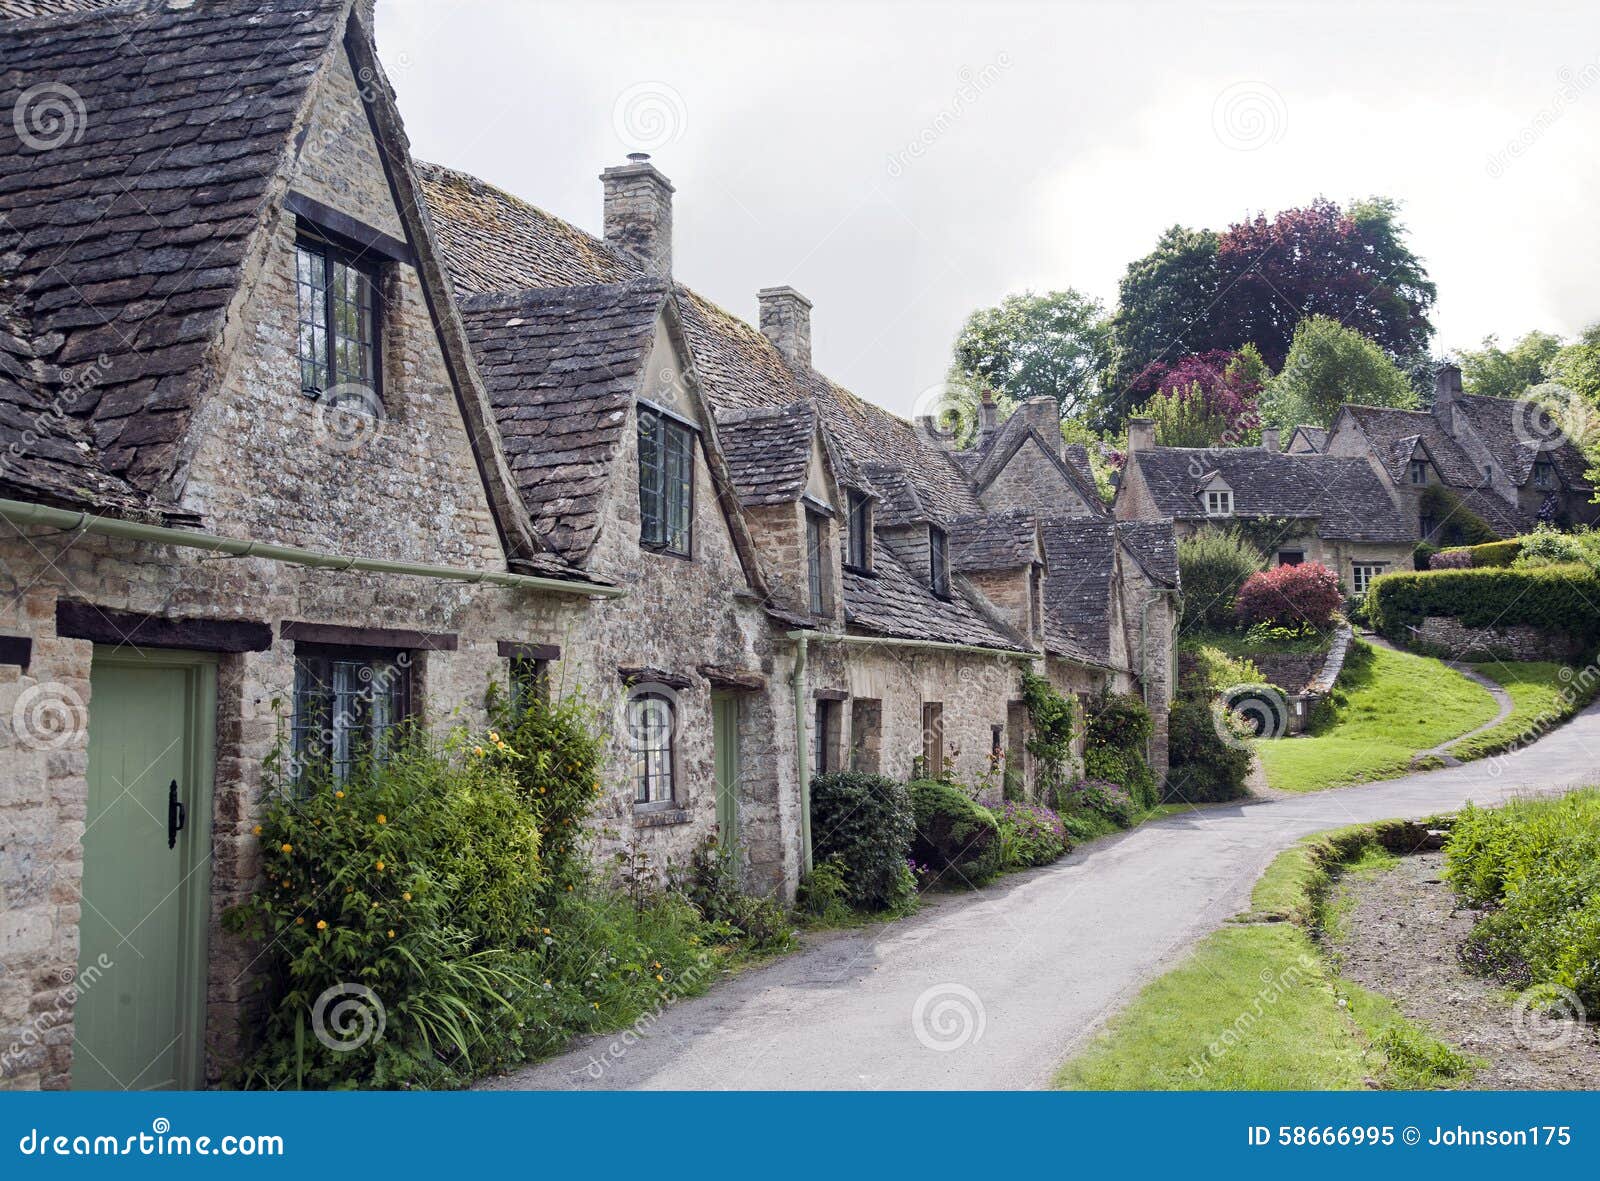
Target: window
(1544, 474)
(1219, 503)
(933, 739)
(1035, 600)
(1419, 471)
(1362, 574)
(530, 682)
(816, 554)
(666, 482)
(997, 747)
(859, 527)
(338, 318)
(866, 735)
(1291, 557)
(825, 738)
(938, 561)
(347, 702)
(651, 723)
(1426, 524)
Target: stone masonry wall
(1456, 640)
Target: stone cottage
(299, 439)
(1297, 507)
(1506, 460)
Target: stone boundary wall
(1447, 635)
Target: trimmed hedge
(955, 834)
(1490, 554)
(1555, 599)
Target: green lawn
(1398, 705)
(1540, 699)
(1257, 1008)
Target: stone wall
(1456, 641)
(1032, 480)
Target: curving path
(1036, 962)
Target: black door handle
(177, 815)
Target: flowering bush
(1102, 797)
(1304, 596)
(1030, 834)
(1118, 728)
(1451, 559)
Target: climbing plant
(1053, 720)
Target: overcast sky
(903, 164)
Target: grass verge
(1397, 705)
(1541, 699)
(1257, 1007)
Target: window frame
(666, 756)
(1299, 556)
(858, 531)
(826, 720)
(310, 240)
(1544, 475)
(662, 429)
(933, 739)
(1362, 574)
(1417, 472)
(1224, 498)
(818, 600)
(401, 705)
(938, 562)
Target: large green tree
(1327, 366)
(1031, 346)
(1505, 373)
(1165, 311)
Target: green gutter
(802, 640)
(20, 512)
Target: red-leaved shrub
(1300, 596)
(1451, 559)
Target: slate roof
(1394, 435)
(768, 451)
(1314, 437)
(1154, 546)
(891, 601)
(1077, 596)
(1343, 494)
(1515, 432)
(562, 366)
(994, 541)
(124, 241)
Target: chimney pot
(1269, 438)
(1141, 434)
(638, 211)
(786, 322)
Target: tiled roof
(1077, 595)
(1394, 435)
(891, 601)
(1315, 437)
(1342, 493)
(563, 366)
(986, 460)
(1154, 546)
(994, 541)
(126, 237)
(768, 451)
(1516, 433)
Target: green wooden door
(139, 1018)
(725, 733)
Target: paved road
(1044, 956)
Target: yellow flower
(406, 895)
(338, 795)
(285, 881)
(660, 979)
(349, 889)
(478, 750)
(596, 1004)
(494, 738)
(547, 930)
(382, 819)
(380, 867)
(656, 965)
(569, 889)
(322, 924)
(391, 932)
(286, 849)
(299, 920)
(256, 830)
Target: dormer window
(337, 323)
(816, 558)
(858, 529)
(1544, 474)
(666, 482)
(1419, 471)
(939, 561)
(1219, 502)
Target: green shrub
(1053, 724)
(1536, 865)
(1555, 599)
(1461, 526)
(823, 894)
(1030, 834)
(867, 822)
(1549, 547)
(1212, 565)
(1207, 670)
(1496, 553)
(1203, 768)
(1116, 733)
(1097, 797)
(956, 837)
(710, 882)
(1422, 553)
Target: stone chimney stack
(638, 211)
(1446, 391)
(786, 322)
(1269, 438)
(988, 417)
(1141, 434)
(1044, 416)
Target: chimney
(988, 417)
(1044, 416)
(638, 211)
(1269, 438)
(786, 322)
(1446, 389)
(1141, 434)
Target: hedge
(1493, 553)
(1555, 599)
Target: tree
(1030, 346)
(1327, 366)
(1505, 373)
(1208, 398)
(1212, 566)
(1319, 260)
(1165, 310)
